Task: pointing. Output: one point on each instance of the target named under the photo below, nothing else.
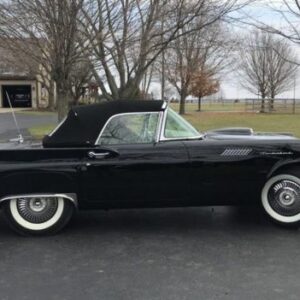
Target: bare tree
(288, 11)
(147, 80)
(80, 76)
(265, 66)
(200, 51)
(281, 71)
(127, 36)
(253, 67)
(51, 26)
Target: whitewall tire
(281, 199)
(38, 216)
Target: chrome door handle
(92, 154)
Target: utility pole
(163, 79)
(294, 103)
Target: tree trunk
(271, 105)
(130, 92)
(182, 103)
(62, 104)
(38, 104)
(262, 107)
(272, 102)
(51, 105)
(51, 96)
(199, 103)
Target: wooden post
(294, 105)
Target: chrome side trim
(69, 196)
(277, 153)
(124, 114)
(182, 138)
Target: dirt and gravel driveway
(25, 119)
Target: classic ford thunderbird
(138, 154)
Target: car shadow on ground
(173, 220)
(166, 220)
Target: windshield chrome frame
(162, 137)
(157, 130)
(58, 126)
(160, 129)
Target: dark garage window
(20, 95)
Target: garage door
(20, 95)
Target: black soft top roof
(84, 123)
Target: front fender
(285, 166)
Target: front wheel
(38, 216)
(281, 199)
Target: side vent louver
(236, 152)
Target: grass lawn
(206, 120)
(38, 132)
(280, 107)
(259, 122)
(36, 112)
(225, 106)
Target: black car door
(136, 175)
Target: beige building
(25, 83)
(19, 84)
(20, 91)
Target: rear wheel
(281, 199)
(38, 215)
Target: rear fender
(37, 183)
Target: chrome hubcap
(37, 204)
(284, 197)
(37, 210)
(287, 197)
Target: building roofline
(16, 77)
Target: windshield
(130, 128)
(177, 127)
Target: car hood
(246, 134)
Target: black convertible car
(137, 154)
